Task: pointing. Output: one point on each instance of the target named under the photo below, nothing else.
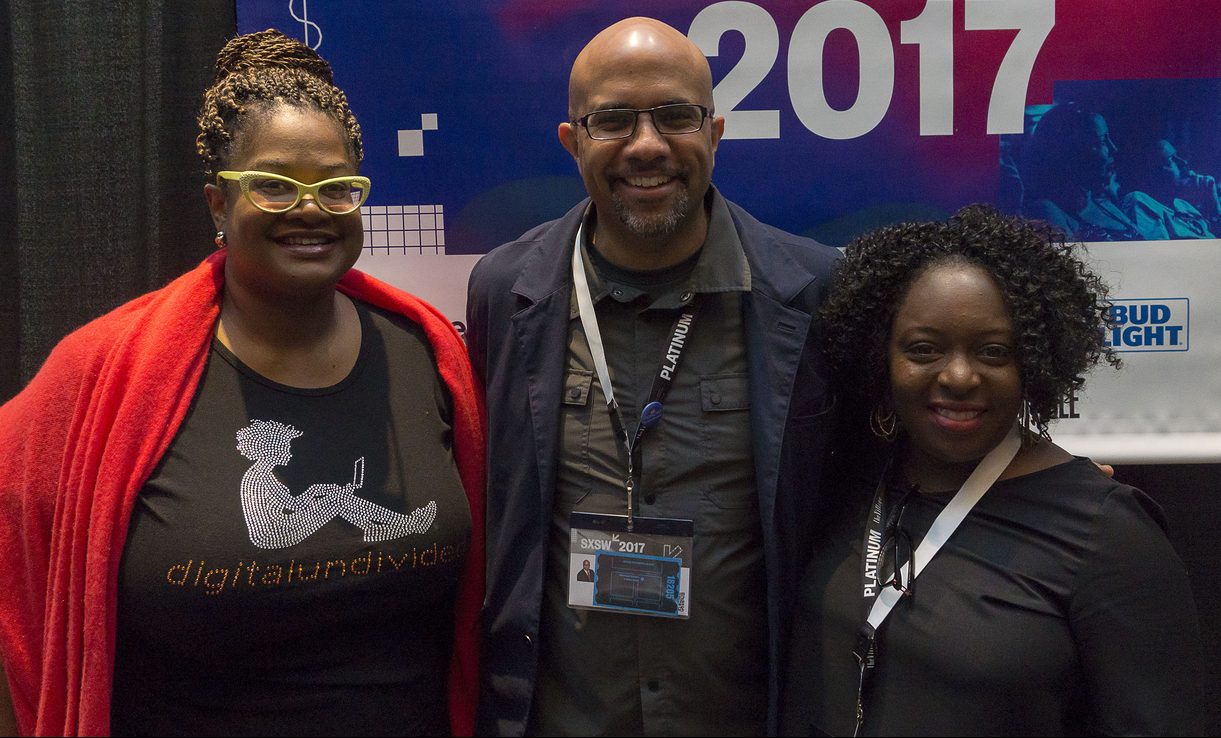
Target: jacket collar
(773, 270)
(548, 268)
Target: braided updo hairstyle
(254, 74)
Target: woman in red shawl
(251, 501)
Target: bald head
(648, 186)
(643, 45)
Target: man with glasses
(655, 404)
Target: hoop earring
(221, 241)
(885, 426)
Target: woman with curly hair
(973, 578)
(250, 502)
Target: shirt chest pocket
(588, 452)
(577, 385)
(725, 452)
(575, 414)
(724, 393)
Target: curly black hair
(255, 73)
(1058, 306)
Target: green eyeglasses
(275, 193)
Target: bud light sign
(1150, 325)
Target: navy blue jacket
(517, 329)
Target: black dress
(1058, 607)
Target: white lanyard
(981, 480)
(589, 320)
(652, 411)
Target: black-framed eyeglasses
(895, 549)
(897, 553)
(671, 120)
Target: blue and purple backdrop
(841, 115)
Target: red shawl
(77, 446)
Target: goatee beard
(656, 226)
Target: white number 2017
(932, 31)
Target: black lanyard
(881, 532)
(986, 472)
(651, 413)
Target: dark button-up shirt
(606, 673)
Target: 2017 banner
(1100, 116)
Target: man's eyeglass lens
(667, 119)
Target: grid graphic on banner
(406, 229)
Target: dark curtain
(102, 193)
(1190, 495)
(10, 302)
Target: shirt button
(574, 393)
(650, 498)
(654, 685)
(686, 296)
(716, 398)
(618, 293)
(529, 641)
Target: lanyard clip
(866, 648)
(629, 485)
(866, 653)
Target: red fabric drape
(78, 444)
